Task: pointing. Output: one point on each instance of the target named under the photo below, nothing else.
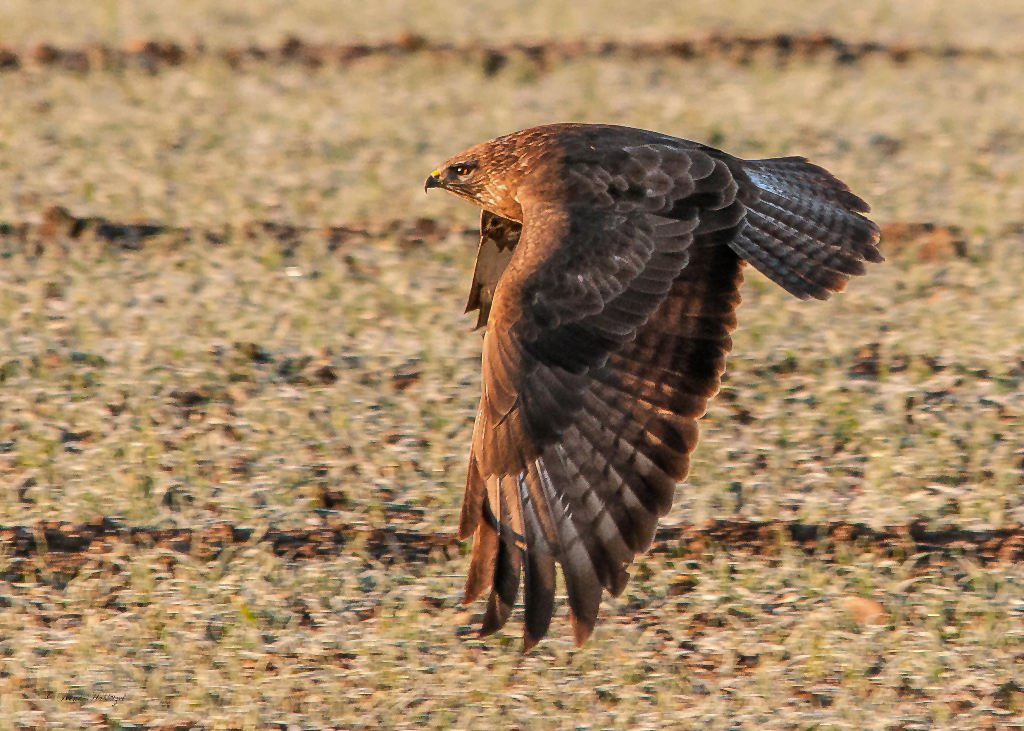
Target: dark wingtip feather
(472, 500)
(538, 595)
(507, 572)
(495, 617)
(482, 562)
(582, 629)
(619, 585)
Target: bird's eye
(462, 169)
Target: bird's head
(484, 175)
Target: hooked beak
(434, 181)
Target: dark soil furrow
(928, 239)
(152, 55)
(56, 541)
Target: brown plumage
(608, 279)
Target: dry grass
(993, 23)
(263, 381)
(324, 147)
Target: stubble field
(237, 389)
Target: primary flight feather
(608, 278)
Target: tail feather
(804, 229)
(801, 174)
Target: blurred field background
(237, 389)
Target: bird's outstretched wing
(606, 336)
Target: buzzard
(608, 277)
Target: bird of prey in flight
(608, 278)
